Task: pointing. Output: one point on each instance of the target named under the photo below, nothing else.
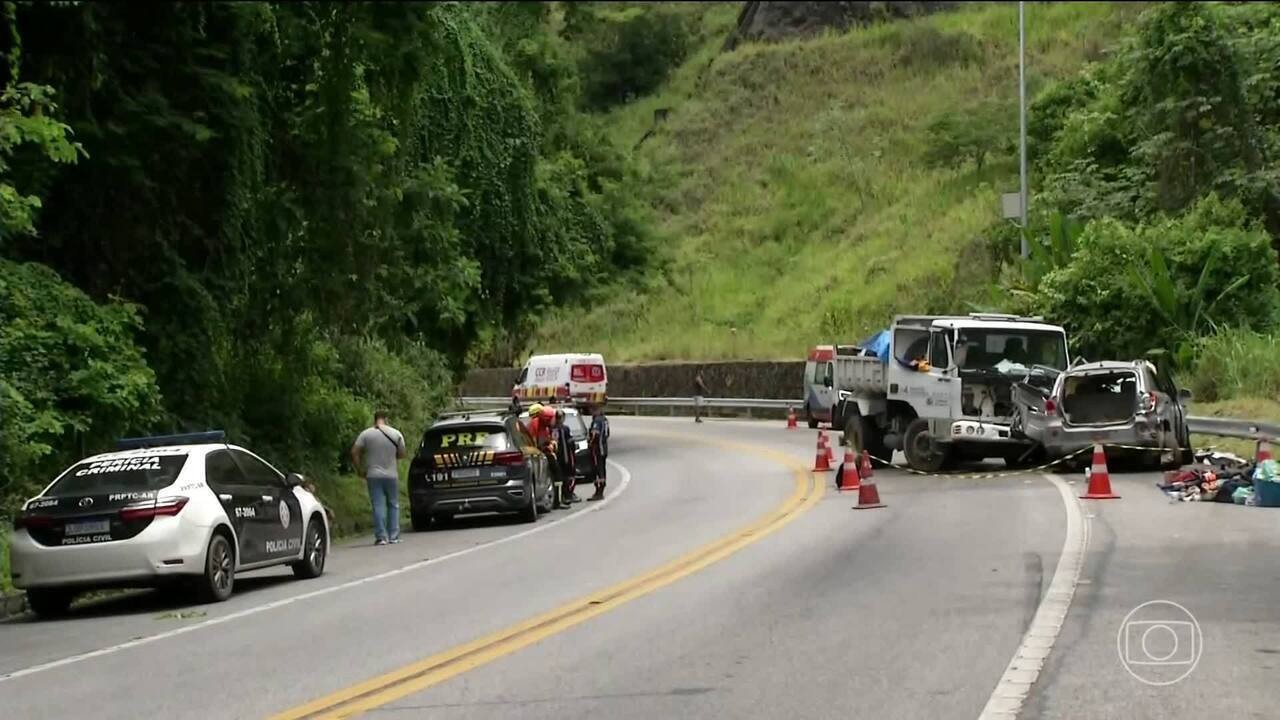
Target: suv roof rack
(472, 411)
(1005, 316)
(200, 438)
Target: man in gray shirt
(381, 446)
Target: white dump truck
(940, 388)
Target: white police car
(161, 511)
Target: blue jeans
(384, 493)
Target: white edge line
(62, 662)
(1024, 669)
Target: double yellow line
(418, 676)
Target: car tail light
(1149, 402)
(509, 458)
(1050, 407)
(32, 521)
(167, 506)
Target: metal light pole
(1022, 125)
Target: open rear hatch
(1100, 397)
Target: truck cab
(819, 380)
(947, 388)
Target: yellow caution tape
(1009, 473)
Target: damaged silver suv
(1128, 404)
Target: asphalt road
(716, 582)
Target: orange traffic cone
(1263, 453)
(826, 443)
(865, 469)
(792, 424)
(848, 476)
(868, 497)
(821, 461)
(1099, 478)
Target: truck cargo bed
(863, 374)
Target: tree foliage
(1181, 110)
(1165, 151)
(970, 135)
(312, 208)
(70, 374)
(626, 51)
(27, 124)
(1131, 289)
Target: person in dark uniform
(598, 442)
(565, 459)
(699, 391)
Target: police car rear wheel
(312, 563)
(550, 502)
(219, 571)
(51, 602)
(530, 513)
(421, 522)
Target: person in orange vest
(534, 422)
(542, 426)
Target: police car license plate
(89, 527)
(465, 473)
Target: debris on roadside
(1226, 478)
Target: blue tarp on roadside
(878, 344)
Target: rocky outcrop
(773, 21)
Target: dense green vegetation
(803, 193)
(1167, 151)
(818, 187)
(273, 218)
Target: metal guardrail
(1220, 427)
(673, 402)
(1233, 428)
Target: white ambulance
(579, 378)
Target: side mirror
(294, 480)
(1184, 395)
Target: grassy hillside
(790, 182)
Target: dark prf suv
(477, 463)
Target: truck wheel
(923, 452)
(862, 434)
(808, 416)
(1019, 457)
(1025, 457)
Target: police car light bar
(212, 436)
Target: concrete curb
(12, 605)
